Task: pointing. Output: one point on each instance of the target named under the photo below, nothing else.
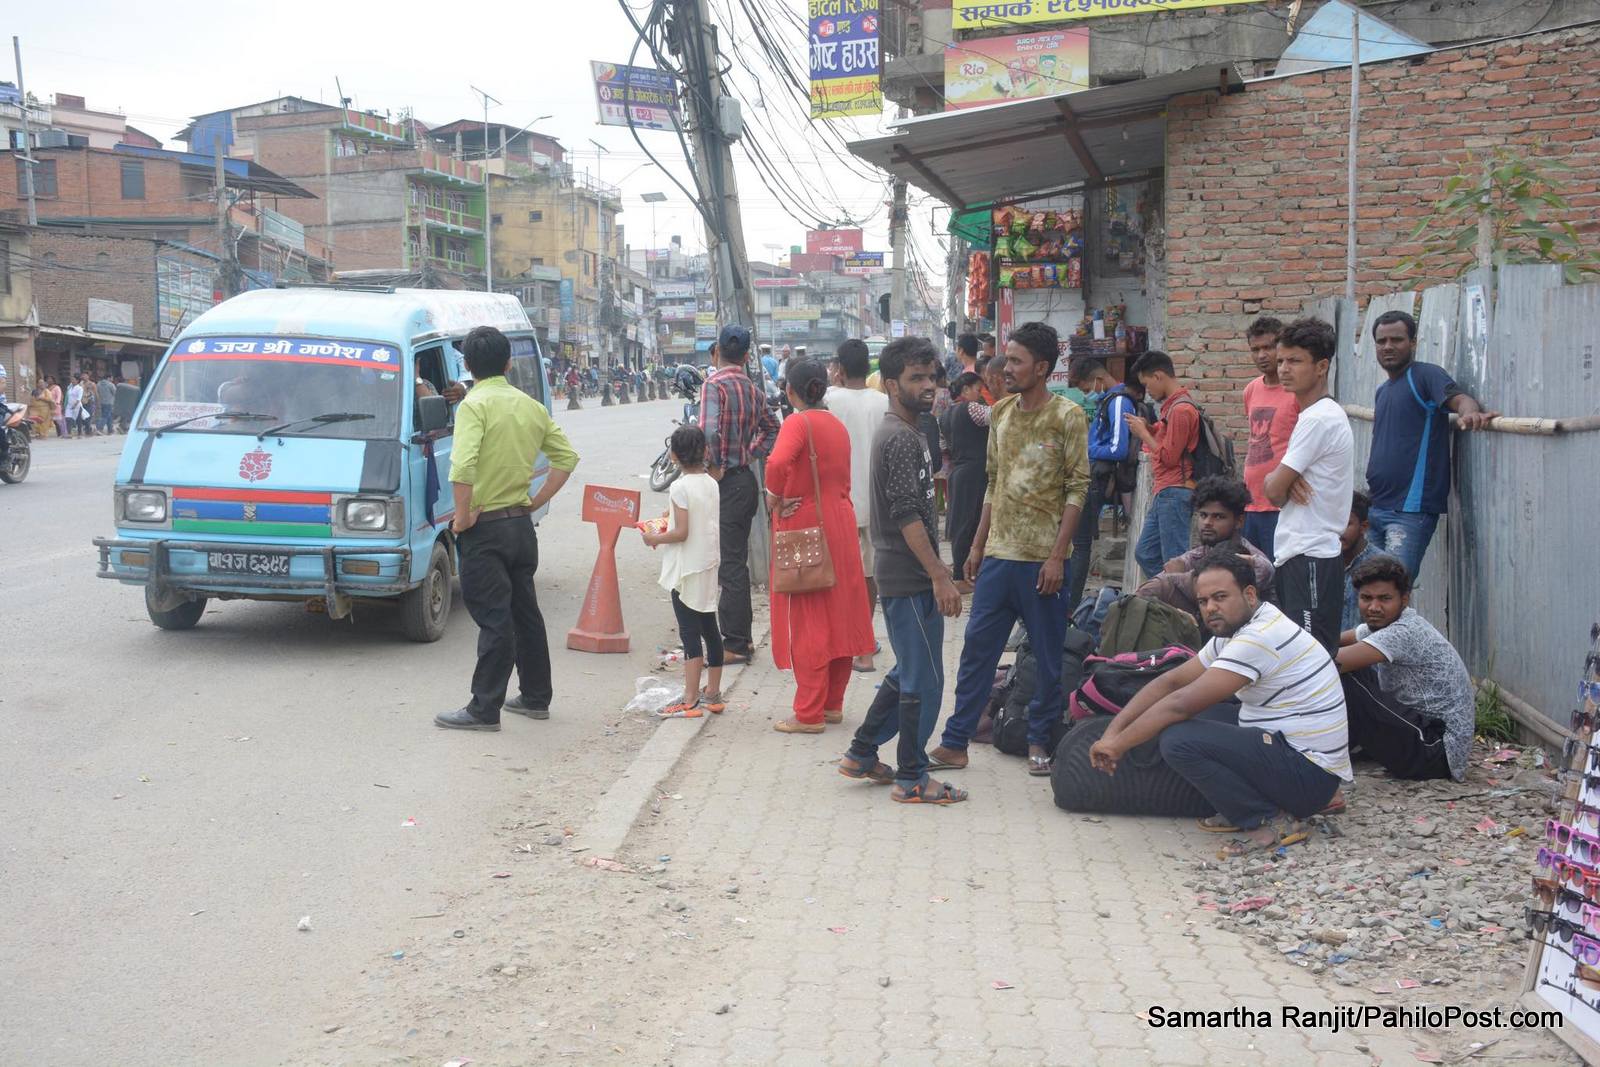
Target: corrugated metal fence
(1513, 575)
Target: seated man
(1219, 504)
(1410, 698)
(1354, 550)
(1288, 752)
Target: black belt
(517, 512)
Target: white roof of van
(395, 317)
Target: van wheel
(424, 610)
(182, 617)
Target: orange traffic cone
(600, 627)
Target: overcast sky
(161, 64)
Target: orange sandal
(681, 710)
(713, 703)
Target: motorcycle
(19, 452)
(686, 383)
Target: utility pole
(1355, 126)
(227, 270)
(488, 219)
(599, 240)
(27, 138)
(897, 242)
(694, 41)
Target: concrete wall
(1255, 181)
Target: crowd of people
(1299, 581)
(90, 405)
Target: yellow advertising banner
(970, 16)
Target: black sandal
(928, 791)
(879, 773)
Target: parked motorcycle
(686, 383)
(19, 451)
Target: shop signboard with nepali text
(844, 58)
(970, 16)
(642, 97)
(992, 70)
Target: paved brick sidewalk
(839, 890)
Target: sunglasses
(1589, 691)
(1589, 918)
(1585, 847)
(1552, 894)
(1584, 721)
(1586, 818)
(1574, 745)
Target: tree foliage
(1527, 209)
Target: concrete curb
(602, 836)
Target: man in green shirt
(1038, 465)
(499, 432)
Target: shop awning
(1053, 143)
(101, 338)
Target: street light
(652, 199)
(488, 219)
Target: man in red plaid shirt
(740, 429)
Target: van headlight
(369, 515)
(144, 505)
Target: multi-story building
(19, 322)
(556, 219)
(511, 151)
(385, 199)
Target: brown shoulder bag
(800, 559)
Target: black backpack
(1213, 452)
(1011, 718)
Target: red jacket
(1177, 433)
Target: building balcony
(451, 221)
(468, 264)
(441, 168)
(374, 127)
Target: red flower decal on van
(254, 466)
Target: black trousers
(738, 491)
(1083, 542)
(699, 633)
(1311, 592)
(1408, 743)
(498, 561)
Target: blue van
(294, 444)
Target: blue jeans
(913, 692)
(1402, 534)
(1006, 591)
(1166, 529)
(1261, 529)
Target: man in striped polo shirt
(1288, 749)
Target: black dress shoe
(463, 719)
(517, 706)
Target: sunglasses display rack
(1563, 917)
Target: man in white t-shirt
(1289, 749)
(861, 410)
(1313, 485)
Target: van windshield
(289, 379)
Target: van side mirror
(433, 413)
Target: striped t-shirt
(1293, 687)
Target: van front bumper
(192, 575)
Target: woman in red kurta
(817, 634)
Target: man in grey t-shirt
(1408, 695)
(914, 583)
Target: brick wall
(89, 183)
(1255, 182)
(69, 269)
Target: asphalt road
(172, 804)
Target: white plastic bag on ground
(651, 694)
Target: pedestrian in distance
(1110, 446)
(969, 447)
(1171, 442)
(105, 401)
(1313, 485)
(1271, 412)
(57, 406)
(1355, 548)
(918, 592)
(740, 429)
(126, 399)
(817, 634)
(690, 554)
(76, 422)
(1038, 473)
(499, 433)
(1408, 471)
(861, 410)
(1284, 748)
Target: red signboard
(833, 242)
(807, 263)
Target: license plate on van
(256, 563)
